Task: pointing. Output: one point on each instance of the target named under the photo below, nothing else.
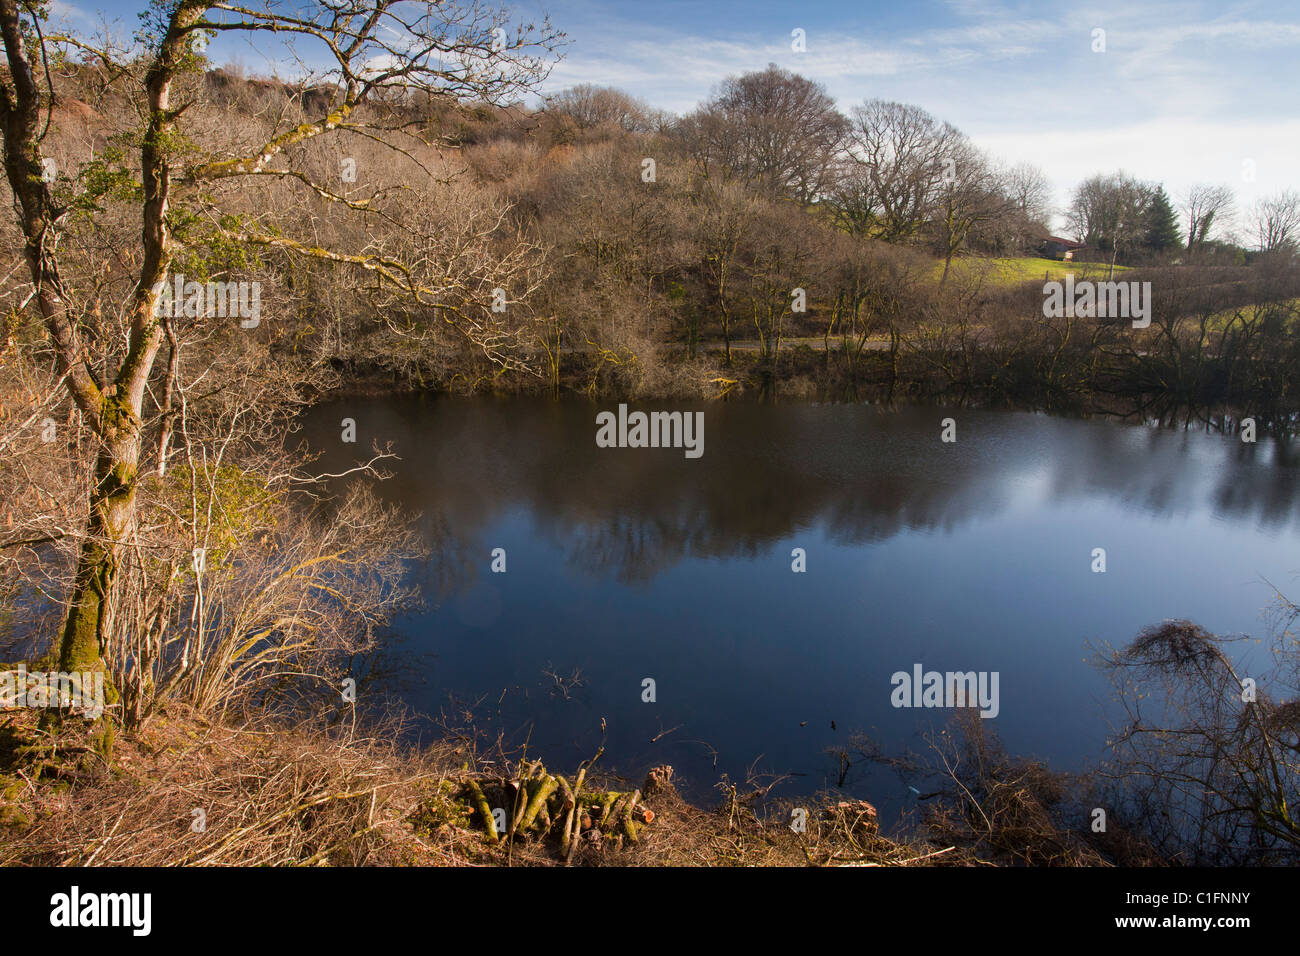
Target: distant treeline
(765, 243)
(667, 256)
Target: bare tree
(591, 107)
(1028, 188)
(1206, 207)
(1108, 213)
(970, 196)
(1276, 221)
(376, 51)
(775, 130)
(783, 251)
(898, 156)
(727, 214)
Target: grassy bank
(188, 791)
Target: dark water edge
(624, 564)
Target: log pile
(549, 806)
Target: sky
(1172, 92)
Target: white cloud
(1180, 95)
(1176, 153)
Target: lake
(623, 564)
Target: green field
(1028, 269)
(1219, 320)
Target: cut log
(481, 805)
(541, 789)
(573, 822)
(606, 805)
(625, 817)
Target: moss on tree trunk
(112, 509)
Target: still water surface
(626, 564)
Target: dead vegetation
(187, 791)
(994, 808)
(1208, 753)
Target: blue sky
(1184, 92)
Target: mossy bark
(481, 805)
(540, 792)
(606, 805)
(625, 817)
(112, 510)
(110, 402)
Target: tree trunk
(167, 413)
(112, 512)
(111, 411)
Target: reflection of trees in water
(769, 471)
(635, 549)
(1206, 765)
(451, 561)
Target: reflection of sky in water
(970, 556)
